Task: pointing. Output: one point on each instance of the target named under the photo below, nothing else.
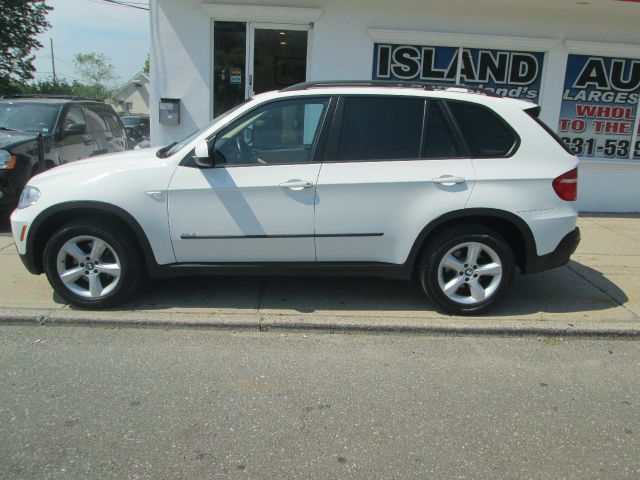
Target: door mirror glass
(73, 129)
(201, 155)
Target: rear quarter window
(486, 134)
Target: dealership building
(578, 59)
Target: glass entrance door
(251, 58)
(279, 56)
(229, 65)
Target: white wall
(341, 48)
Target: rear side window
(111, 119)
(96, 122)
(376, 128)
(439, 139)
(486, 134)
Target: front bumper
(560, 256)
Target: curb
(328, 324)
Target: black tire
(121, 251)
(463, 300)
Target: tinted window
(74, 117)
(95, 121)
(485, 133)
(279, 132)
(439, 140)
(111, 119)
(380, 128)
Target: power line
(126, 4)
(123, 3)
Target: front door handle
(448, 180)
(296, 184)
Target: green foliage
(21, 21)
(96, 70)
(60, 87)
(145, 68)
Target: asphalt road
(82, 402)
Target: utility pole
(53, 63)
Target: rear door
(393, 164)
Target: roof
(54, 99)
(134, 79)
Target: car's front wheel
(92, 264)
(467, 269)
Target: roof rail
(388, 84)
(45, 96)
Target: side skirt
(332, 269)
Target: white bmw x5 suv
(451, 186)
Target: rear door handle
(296, 184)
(448, 180)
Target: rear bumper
(560, 256)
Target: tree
(21, 21)
(96, 70)
(145, 68)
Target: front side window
(380, 128)
(485, 133)
(74, 119)
(277, 133)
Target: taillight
(566, 185)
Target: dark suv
(137, 127)
(38, 133)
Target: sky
(83, 26)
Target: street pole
(53, 63)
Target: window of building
(381, 128)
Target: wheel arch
(54, 217)
(511, 227)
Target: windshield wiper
(9, 129)
(160, 153)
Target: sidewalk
(598, 293)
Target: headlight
(29, 196)
(7, 161)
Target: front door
(251, 58)
(257, 203)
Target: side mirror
(74, 129)
(201, 155)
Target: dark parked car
(38, 133)
(137, 127)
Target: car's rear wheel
(92, 264)
(467, 269)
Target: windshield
(28, 117)
(175, 147)
(130, 121)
